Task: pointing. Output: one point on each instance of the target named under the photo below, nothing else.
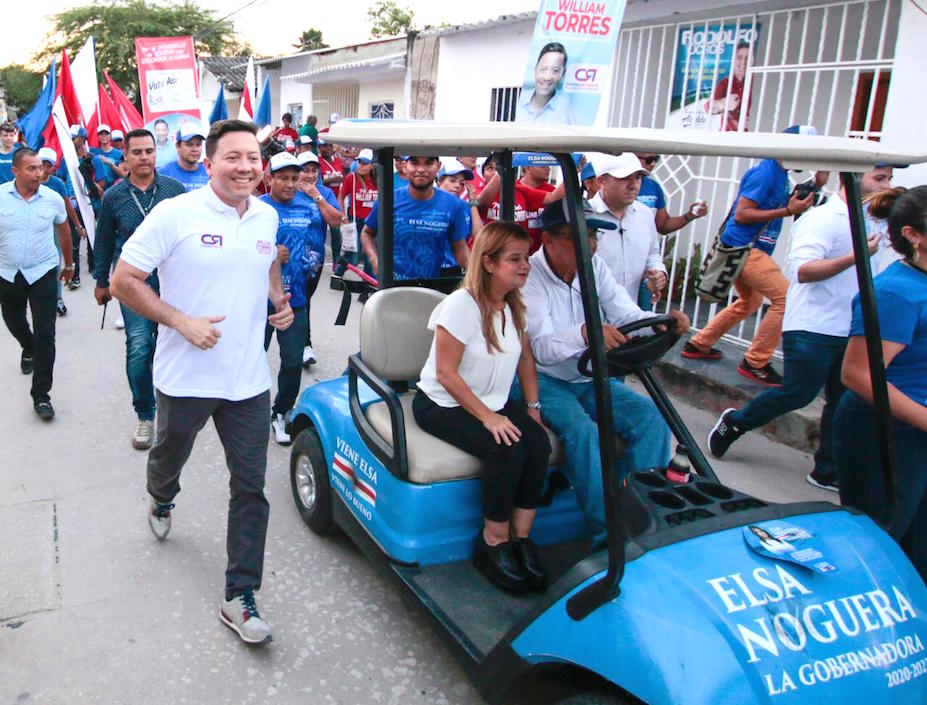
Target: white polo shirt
(822, 306)
(210, 262)
(633, 248)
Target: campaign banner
(568, 78)
(711, 79)
(169, 82)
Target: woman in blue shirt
(901, 298)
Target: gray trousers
(243, 429)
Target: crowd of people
(503, 364)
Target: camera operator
(93, 171)
(763, 200)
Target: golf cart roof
(430, 138)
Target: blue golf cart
(702, 595)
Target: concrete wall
(392, 89)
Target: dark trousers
(76, 240)
(859, 472)
(42, 296)
(515, 474)
(812, 363)
(242, 428)
(336, 242)
(290, 342)
(311, 286)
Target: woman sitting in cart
(901, 298)
(463, 399)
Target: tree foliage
(389, 20)
(20, 86)
(115, 24)
(309, 40)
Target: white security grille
(328, 98)
(827, 65)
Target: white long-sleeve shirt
(556, 318)
(631, 249)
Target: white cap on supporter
(103, 128)
(305, 139)
(365, 155)
(621, 167)
(283, 160)
(47, 154)
(189, 130)
(307, 158)
(333, 118)
(117, 135)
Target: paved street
(94, 610)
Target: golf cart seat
(394, 346)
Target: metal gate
(341, 98)
(827, 65)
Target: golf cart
(702, 594)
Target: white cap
(365, 155)
(333, 118)
(189, 130)
(305, 139)
(103, 128)
(47, 154)
(621, 167)
(451, 167)
(283, 160)
(306, 158)
(117, 135)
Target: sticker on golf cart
(786, 542)
(354, 478)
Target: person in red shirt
(286, 135)
(527, 200)
(729, 99)
(357, 195)
(478, 181)
(331, 172)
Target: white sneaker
(240, 613)
(278, 424)
(143, 435)
(159, 518)
(308, 356)
(120, 324)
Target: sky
(272, 26)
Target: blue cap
(188, 131)
(588, 172)
(451, 167)
(78, 131)
(800, 130)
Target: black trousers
(311, 286)
(515, 473)
(242, 428)
(42, 296)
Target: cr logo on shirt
(211, 240)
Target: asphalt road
(94, 610)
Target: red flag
(65, 90)
(131, 119)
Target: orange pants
(761, 277)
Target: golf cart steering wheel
(638, 352)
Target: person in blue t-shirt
(399, 175)
(49, 157)
(901, 300)
(425, 219)
(8, 147)
(93, 172)
(326, 212)
(111, 157)
(188, 169)
(300, 251)
(755, 219)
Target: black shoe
(26, 364)
(74, 284)
(819, 480)
(534, 569)
(501, 566)
(45, 410)
(61, 308)
(693, 353)
(723, 434)
(765, 375)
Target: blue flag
(219, 111)
(33, 123)
(262, 115)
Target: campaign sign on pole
(169, 82)
(711, 79)
(568, 79)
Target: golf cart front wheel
(594, 699)
(309, 481)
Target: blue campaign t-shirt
(651, 194)
(57, 185)
(6, 164)
(191, 180)
(295, 231)
(767, 185)
(114, 155)
(422, 231)
(901, 300)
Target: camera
(806, 188)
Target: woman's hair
(902, 207)
(552, 47)
(491, 241)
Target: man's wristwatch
(534, 405)
(69, 268)
(318, 198)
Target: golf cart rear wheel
(594, 699)
(309, 481)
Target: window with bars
(503, 103)
(296, 110)
(382, 111)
